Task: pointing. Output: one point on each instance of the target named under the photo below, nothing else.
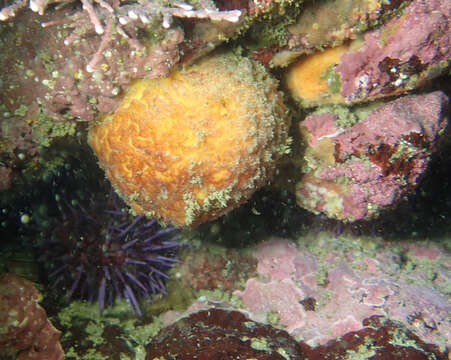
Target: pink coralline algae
(352, 173)
(320, 296)
(88, 59)
(25, 331)
(90, 56)
(225, 334)
(292, 291)
(399, 56)
(73, 75)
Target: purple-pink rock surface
(401, 55)
(404, 53)
(322, 294)
(320, 287)
(352, 173)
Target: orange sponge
(307, 79)
(188, 148)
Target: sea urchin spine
(101, 255)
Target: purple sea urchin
(98, 254)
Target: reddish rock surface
(6, 177)
(25, 331)
(380, 340)
(354, 172)
(320, 295)
(77, 74)
(213, 270)
(330, 23)
(401, 55)
(222, 334)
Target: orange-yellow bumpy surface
(188, 148)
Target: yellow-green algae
(119, 314)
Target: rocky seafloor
(340, 247)
(265, 282)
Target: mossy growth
(48, 163)
(270, 28)
(45, 129)
(333, 79)
(348, 116)
(178, 297)
(92, 332)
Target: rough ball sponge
(190, 147)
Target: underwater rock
(352, 172)
(88, 59)
(320, 295)
(330, 23)
(403, 54)
(74, 74)
(217, 333)
(380, 339)
(25, 331)
(6, 177)
(297, 30)
(222, 334)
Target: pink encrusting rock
(401, 55)
(73, 75)
(25, 331)
(353, 173)
(293, 297)
(330, 292)
(85, 65)
(48, 89)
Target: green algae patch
(260, 344)
(45, 130)
(102, 336)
